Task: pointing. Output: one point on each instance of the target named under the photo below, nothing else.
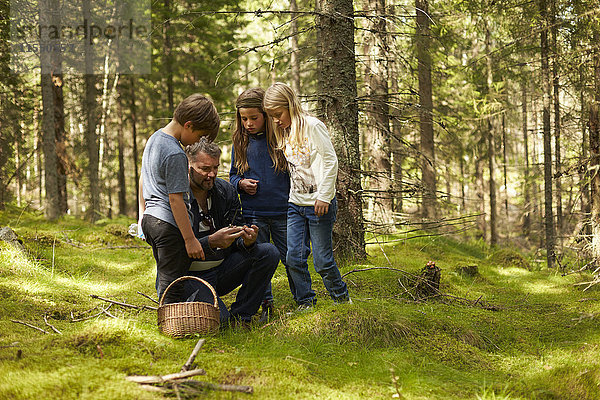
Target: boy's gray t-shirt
(164, 171)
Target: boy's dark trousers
(172, 261)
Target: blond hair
(280, 95)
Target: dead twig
(148, 297)
(73, 319)
(216, 386)
(50, 325)
(171, 378)
(119, 303)
(192, 357)
(29, 325)
(105, 311)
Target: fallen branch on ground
(192, 357)
(170, 378)
(29, 325)
(50, 325)
(93, 296)
(148, 297)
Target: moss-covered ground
(526, 332)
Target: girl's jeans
(303, 229)
(273, 228)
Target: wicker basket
(181, 319)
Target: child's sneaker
(305, 307)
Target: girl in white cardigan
(312, 208)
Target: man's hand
(321, 208)
(194, 249)
(250, 234)
(249, 185)
(225, 236)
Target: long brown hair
(253, 98)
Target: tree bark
(91, 137)
(547, 95)
(491, 147)
(133, 115)
(594, 164)
(377, 75)
(338, 106)
(557, 119)
(49, 65)
(121, 160)
(168, 57)
(428, 175)
(294, 61)
(61, 142)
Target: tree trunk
(121, 160)
(547, 95)
(377, 50)
(583, 170)
(133, 115)
(557, 119)
(422, 41)
(396, 146)
(91, 137)
(61, 142)
(505, 166)
(491, 147)
(479, 184)
(294, 62)
(338, 106)
(169, 57)
(594, 165)
(49, 63)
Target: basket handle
(183, 278)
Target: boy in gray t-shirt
(164, 200)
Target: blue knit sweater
(271, 198)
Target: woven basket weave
(182, 319)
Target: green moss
(540, 342)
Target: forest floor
(515, 330)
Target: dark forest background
(474, 118)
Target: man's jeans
(252, 269)
(305, 228)
(273, 228)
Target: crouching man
(232, 256)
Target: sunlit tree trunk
(491, 147)
(338, 106)
(49, 63)
(557, 119)
(526, 174)
(377, 50)
(294, 60)
(594, 164)
(133, 116)
(121, 159)
(547, 95)
(168, 56)
(422, 41)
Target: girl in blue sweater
(259, 172)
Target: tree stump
(428, 282)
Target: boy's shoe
(305, 307)
(346, 300)
(267, 311)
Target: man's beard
(203, 184)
